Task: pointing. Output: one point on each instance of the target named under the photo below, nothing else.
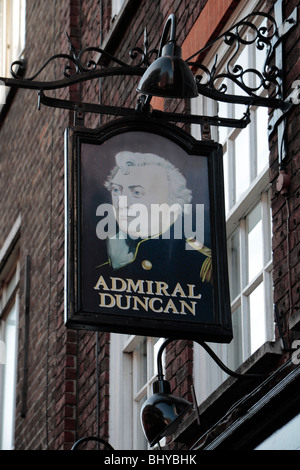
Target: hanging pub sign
(145, 232)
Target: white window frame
(12, 38)
(12, 32)
(126, 392)
(236, 218)
(9, 316)
(116, 6)
(8, 375)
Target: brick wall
(285, 206)
(32, 184)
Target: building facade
(58, 385)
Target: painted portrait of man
(151, 203)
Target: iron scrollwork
(78, 64)
(74, 62)
(91, 63)
(144, 53)
(264, 37)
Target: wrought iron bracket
(267, 37)
(278, 120)
(78, 69)
(280, 114)
(84, 108)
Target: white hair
(178, 191)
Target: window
(248, 215)
(285, 438)
(133, 370)
(12, 38)
(12, 33)
(116, 6)
(250, 269)
(8, 363)
(9, 310)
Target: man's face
(146, 186)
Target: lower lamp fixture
(163, 412)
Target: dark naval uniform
(160, 259)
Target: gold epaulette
(196, 245)
(206, 268)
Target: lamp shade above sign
(169, 76)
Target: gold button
(147, 265)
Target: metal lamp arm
(213, 355)
(170, 23)
(92, 438)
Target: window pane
(285, 438)
(255, 243)
(257, 318)
(12, 32)
(242, 166)
(9, 379)
(15, 25)
(234, 264)
(262, 138)
(141, 352)
(226, 182)
(116, 7)
(2, 39)
(235, 353)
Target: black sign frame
(78, 314)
